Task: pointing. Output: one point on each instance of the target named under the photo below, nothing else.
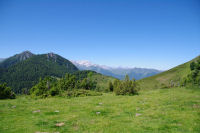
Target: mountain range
(117, 72)
(23, 70)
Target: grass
(167, 78)
(175, 110)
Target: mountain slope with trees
(16, 59)
(24, 72)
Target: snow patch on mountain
(117, 72)
(87, 63)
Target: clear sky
(137, 33)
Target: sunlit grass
(161, 110)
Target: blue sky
(137, 33)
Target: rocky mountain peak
(24, 55)
(51, 55)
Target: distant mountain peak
(117, 72)
(16, 58)
(87, 63)
(84, 62)
(51, 55)
(27, 51)
(24, 55)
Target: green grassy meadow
(166, 78)
(174, 110)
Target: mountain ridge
(117, 72)
(169, 78)
(15, 59)
(2, 59)
(24, 70)
(23, 73)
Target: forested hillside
(16, 59)
(23, 73)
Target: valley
(100, 66)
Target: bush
(45, 87)
(110, 86)
(5, 92)
(67, 82)
(81, 93)
(193, 79)
(87, 84)
(51, 86)
(126, 87)
(70, 82)
(164, 86)
(54, 91)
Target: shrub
(126, 87)
(81, 93)
(54, 91)
(87, 84)
(110, 86)
(45, 87)
(67, 82)
(5, 92)
(164, 86)
(51, 87)
(193, 79)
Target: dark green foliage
(68, 85)
(45, 87)
(126, 86)
(54, 91)
(163, 86)
(82, 92)
(192, 66)
(110, 86)
(87, 84)
(80, 75)
(5, 92)
(26, 73)
(71, 81)
(193, 79)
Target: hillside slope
(15, 59)
(23, 70)
(101, 80)
(168, 78)
(26, 73)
